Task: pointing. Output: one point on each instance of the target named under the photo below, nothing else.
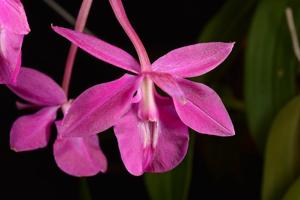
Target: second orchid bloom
(77, 156)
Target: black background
(162, 25)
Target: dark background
(228, 171)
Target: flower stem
(293, 32)
(84, 190)
(79, 26)
(120, 13)
(64, 14)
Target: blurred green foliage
(271, 71)
(230, 23)
(270, 67)
(293, 192)
(282, 157)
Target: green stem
(84, 190)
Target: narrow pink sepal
(152, 147)
(10, 56)
(13, 17)
(193, 60)
(204, 111)
(32, 131)
(99, 107)
(38, 88)
(100, 49)
(79, 156)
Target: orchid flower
(152, 130)
(76, 156)
(13, 27)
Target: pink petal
(193, 60)
(38, 88)
(168, 83)
(204, 111)
(13, 17)
(32, 131)
(79, 156)
(100, 49)
(99, 107)
(152, 146)
(10, 56)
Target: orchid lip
(150, 133)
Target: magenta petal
(32, 131)
(13, 17)
(100, 49)
(38, 88)
(204, 111)
(193, 60)
(152, 146)
(79, 156)
(10, 56)
(99, 107)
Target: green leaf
(293, 192)
(269, 66)
(282, 158)
(173, 185)
(228, 24)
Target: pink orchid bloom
(152, 131)
(76, 156)
(13, 27)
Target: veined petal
(152, 146)
(10, 56)
(193, 60)
(38, 88)
(32, 131)
(168, 84)
(99, 107)
(13, 17)
(204, 111)
(79, 156)
(100, 49)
